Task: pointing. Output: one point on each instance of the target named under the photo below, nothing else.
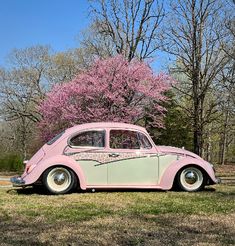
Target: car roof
(105, 125)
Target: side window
(124, 139)
(144, 142)
(88, 139)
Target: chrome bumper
(17, 181)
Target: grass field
(118, 217)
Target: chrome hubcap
(59, 179)
(191, 177)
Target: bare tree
(193, 35)
(64, 66)
(22, 87)
(226, 101)
(128, 27)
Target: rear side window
(50, 142)
(88, 139)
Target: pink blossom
(111, 90)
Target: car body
(113, 155)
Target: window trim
(87, 147)
(55, 138)
(132, 130)
(151, 146)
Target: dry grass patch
(4, 182)
(118, 218)
(167, 229)
(225, 170)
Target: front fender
(168, 177)
(35, 174)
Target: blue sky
(56, 23)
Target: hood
(174, 150)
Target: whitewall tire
(191, 179)
(59, 180)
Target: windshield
(55, 138)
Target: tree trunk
(196, 138)
(224, 139)
(24, 138)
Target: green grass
(118, 218)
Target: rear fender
(167, 179)
(58, 160)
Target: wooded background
(197, 36)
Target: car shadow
(30, 190)
(123, 190)
(40, 190)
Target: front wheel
(191, 179)
(59, 180)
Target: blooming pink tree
(111, 90)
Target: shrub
(11, 162)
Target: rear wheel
(59, 180)
(190, 179)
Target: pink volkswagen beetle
(113, 155)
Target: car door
(88, 148)
(133, 159)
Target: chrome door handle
(113, 155)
